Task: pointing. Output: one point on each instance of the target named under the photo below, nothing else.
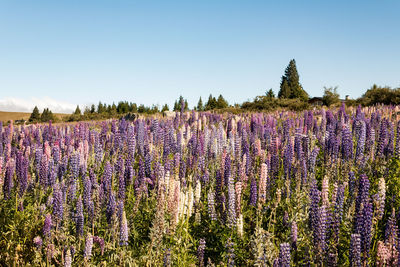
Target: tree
(47, 115)
(330, 96)
(200, 105)
(35, 116)
(101, 108)
(92, 109)
(290, 85)
(176, 106)
(284, 92)
(221, 102)
(165, 108)
(270, 94)
(181, 102)
(211, 103)
(77, 111)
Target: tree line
(291, 96)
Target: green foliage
(165, 108)
(47, 115)
(214, 103)
(330, 96)
(265, 103)
(380, 95)
(200, 106)
(290, 85)
(270, 93)
(35, 116)
(77, 111)
(178, 104)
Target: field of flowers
(321, 187)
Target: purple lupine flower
(100, 242)
(47, 226)
(321, 228)
(312, 159)
(287, 159)
(389, 149)
(110, 210)
(52, 173)
(23, 183)
(314, 197)
(87, 192)
(107, 177)
(253, 192)
(363, 191)
(367, 228)
(355, 250)
(128, 175)
(227, 171)
(200, 252)
(147, 165)
(391, 230)
(8, 180)
(87, 253)
(382, 139)
(58, 209)
(360, 132)
(121, 187)
(284, 255)
(230, 255)
(74, 165)
(398, 141)
(120, 210)
(167, 258)
(338, 212)
(123, 233)
(352, 184)
(80, 219)
(38, 242)
(347, 144)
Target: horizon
(60, 55)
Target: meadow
(313, 188)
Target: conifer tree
(270, 93)
(77, 111)
(200, 105)
(284, 92)
(165, 108)
(290, 84)
(35, 116)
(221, 102)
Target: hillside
(6, 116)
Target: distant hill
(5, 116)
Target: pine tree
(77, 111)
(221, 102)
(290, 85)
(270, 94)
(186, 105)
(35, 116)
(165, 108)
(211, 103)
(200, 105)
(284, 92)
(47, 115)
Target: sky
(63, 53)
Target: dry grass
(5, 116)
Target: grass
(6, 116)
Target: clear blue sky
(153, 51)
